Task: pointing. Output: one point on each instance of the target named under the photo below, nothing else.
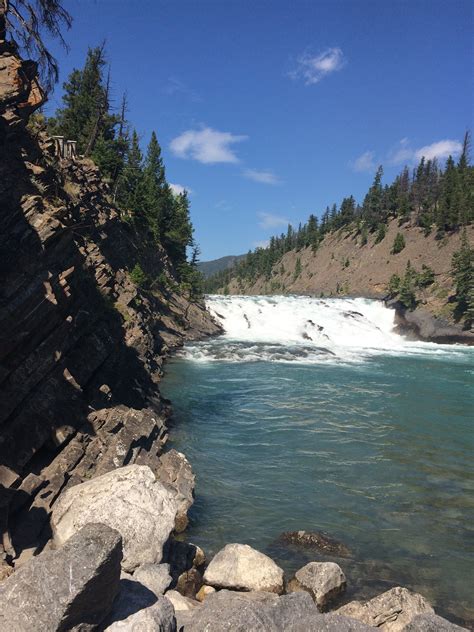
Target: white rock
(128, 499)
(240, 567)
(180, 602)
(391, 611)
(323, 580)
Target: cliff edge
(81, 345)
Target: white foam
(303, 329)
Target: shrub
(398, 244)
(138, 276)
(381, 232)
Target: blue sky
(270, 110)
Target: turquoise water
(373, 448)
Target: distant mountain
(208, 268)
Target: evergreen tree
(372, 208)
(130, 189)
(86, 116)
(463, 275)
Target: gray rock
(324, 581)
(431, 623)
(189, 583)
(155, 577)
(158, 617)
(240, 567)
(69, 589)
(228, 611)
(391, 611)
(128, 499)
(175, 470)
(180, 602)
(132, 597)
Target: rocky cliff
(81, 346)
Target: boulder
(158, 617)
(156, 577)
(240, 567)
(128, 499)
(67, 589)
(182, 557)
(204, 592)
(324, 581)
(431, 623)
(316, 540)
(189, 583)
(391, 611)
(175, 470)
(180, 602)
(132, 598)
(227, 611)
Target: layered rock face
(81, 346)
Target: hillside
(341, 266)
(208, 268)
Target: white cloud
(207, 145)
(264, 243)
(313, 68)
(365, 162)
(269, 220)
(265, 177)
(179, 188)
(441, 149)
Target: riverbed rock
(324, 581)
(189, 583)
(180, 602)
(240, 567)
(182, 557)
(175, 470)
(228, 611)
(156, 577)
(129, 499)
(391, 611)
(72, 588)
(204, 592)
(431, 623)
(316, 539)
(136, 614)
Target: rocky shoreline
(115, 562)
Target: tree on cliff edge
(26, 21)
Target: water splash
(303, 330)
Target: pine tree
(154, 183)
(86, 118)
(463, 275)
(372, 208)
(130, 190)
(407, 294)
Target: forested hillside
(410, 240)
